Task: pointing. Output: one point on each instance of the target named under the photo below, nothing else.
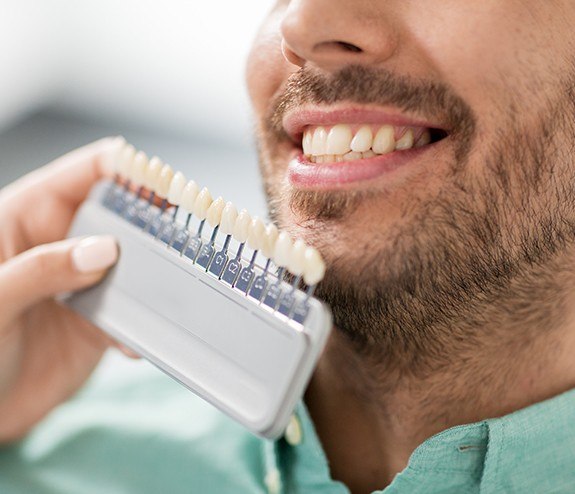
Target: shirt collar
(531, 450)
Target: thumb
(49, 269)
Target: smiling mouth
(352, 142)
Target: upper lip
(295, 121)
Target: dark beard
(481, 254)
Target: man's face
(423, 238)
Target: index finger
(70, 177)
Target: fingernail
(95, 254)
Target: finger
(49, 269)
(70, 177)
(128, 352)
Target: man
(448, 227)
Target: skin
(46, 351)
(438, 277)
(388, 379)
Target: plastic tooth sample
(267, 246)
(242, 226)
(164, 181)
(202, 203)
(189, 196)
(282, 255)
(283, 250)
(296, 265)
(214, 218)
(176, 190)
(269, 240)
(214, 212)
(111, 160)
(126, 161)
(153, 173)
(314, 267)
(138, 171)
(229, 218)
(256, 233)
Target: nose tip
(333, 33)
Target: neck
(382, 416)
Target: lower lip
(307, 175)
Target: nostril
(349, 47)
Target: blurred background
(168, 75)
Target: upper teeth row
(340, 140)
(152, 174)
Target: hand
(46, 350)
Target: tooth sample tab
(319, 142)
(314, 267)
(229, 217)
(283, 250)
(384, 141)
(189, 196)
(269, 241)
(339, 140)
(406, 140)
(177, 189)
(297, 262)
(203, 202)
(363, 140)
(164, 181)
(214, 213)
(126, 161)
(153, 173)
(138, 171)
(256, 234)
(242, 226)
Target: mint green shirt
(143, 433)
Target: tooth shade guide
(280, 279)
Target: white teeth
(296, 257)
(153, 173)
(256, 234)
(189, 196)
(297, 261)
(339, 140)
(164, 181)
(307, 142)
(111, 159)
(177, 189)
(319, 142)
(269, 240)
(314, 267)
(363, 140)
(214, 212)
(242, 226)
(203, 202)
(406, 141)
(283, 250)
(126, 161)
(384, 141)
(229, 217)
(138, 171)
(424, 139)
(352, 156)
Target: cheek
(266, 68)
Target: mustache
(377, 86)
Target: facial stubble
(481, 254)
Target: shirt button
(293, 434)
(273, 482)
